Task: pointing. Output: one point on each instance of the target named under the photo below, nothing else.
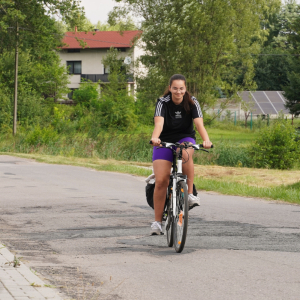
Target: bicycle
(176, 209)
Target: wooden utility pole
(16, 81)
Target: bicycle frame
(176, 173)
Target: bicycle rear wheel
(168, 224)
(180, 222)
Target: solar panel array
(265, 102)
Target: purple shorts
(167, 154)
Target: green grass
(287, 193)
(241, 137)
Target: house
(83, 52)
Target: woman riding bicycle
(173, 122)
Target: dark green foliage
(41, 136)
(276, 147)
(271, 69)
(275, 61)
(116, 108)
(292, 92)
(292, 89)
(144, 110)
(30, 110)
(37, 30)
(87, 95)
(6, 110)
(40, 82)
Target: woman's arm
(203, 133)
(158, 127)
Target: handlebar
(184, 145)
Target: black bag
(150, 190)
(149, 194)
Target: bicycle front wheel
(180, 222)
(168, 224)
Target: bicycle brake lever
(204, 150)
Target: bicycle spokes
(180, 218)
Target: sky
(97, 10)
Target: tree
(32, 23)
(292, 93)
(275, 62)
(45, 74)
(292, 88)
(209, 41)
(116, 105)
(272, 68)
(29, 26)
(122, 25)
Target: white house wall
(91, 62)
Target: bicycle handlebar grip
(201, 145)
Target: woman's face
(177, 89)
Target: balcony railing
(103, 77)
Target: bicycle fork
(175, 180)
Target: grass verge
(261, 183)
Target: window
(73, 50)
(70, 95)
(122, 49)
(74, 67)
(106, 70)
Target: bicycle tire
(168, 224)
(180, 222)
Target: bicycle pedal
(194, 205)
(161, 233)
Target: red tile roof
(100, 39)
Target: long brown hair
(187, 99)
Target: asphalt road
(87, 232)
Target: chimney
(75, 28)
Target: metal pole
(16, 83)
(251, 122)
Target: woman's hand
(207, 144)
(155, 141)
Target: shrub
(276, 147)
(87, 94)
(5, 111)
(41, 136)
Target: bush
(276, 147)
(87, 94)
(41, 136)
(6, 111)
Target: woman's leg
(162, 169)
